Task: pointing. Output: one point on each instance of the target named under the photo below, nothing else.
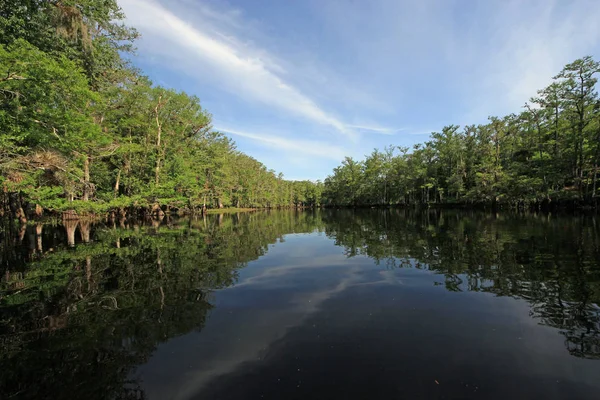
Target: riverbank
(97, 211)
(547, 206)
(14, 206)
(231, 210)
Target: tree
(547, 154)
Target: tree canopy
(547, 153)
(84, 129)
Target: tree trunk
(22, 232)
(88, 272)
(157, 211)
(20, 214)
(156, 221)
(71, 227)
(162, 298)
(16, 208)
(38, 235)
(556, 132)
(158, 139)
(385, 191)
(595, 183)
(86, 178)
(84, 231)
(159, 262)
(31, 240)
(117, 183)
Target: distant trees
(83, 129)
(548, 153)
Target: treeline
(83, 129)
(548, 154)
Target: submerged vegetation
(83, 130)
(546, 155)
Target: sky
(299, 85)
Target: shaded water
(303, 305)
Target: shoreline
(24, 211)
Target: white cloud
(359, 70)
(457, 61)
(226, 353)
(237, 67)
(528, 44)
(376, 129)
(296, 146)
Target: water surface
(303, 305)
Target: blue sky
(300, 84)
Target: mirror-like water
(303, 305)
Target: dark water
(303, 305)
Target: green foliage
(549, 153)
(83, 130)
(44, 101)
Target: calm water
(303, 305)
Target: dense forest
(83, 129)
(548, 154)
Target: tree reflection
(551, 262)
(77, 318)
(81, 304)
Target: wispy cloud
(422, 132)
(376, 129)
(457, 61)
(297, 146)
(354, 73)
(236, 67)
(517, 52)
